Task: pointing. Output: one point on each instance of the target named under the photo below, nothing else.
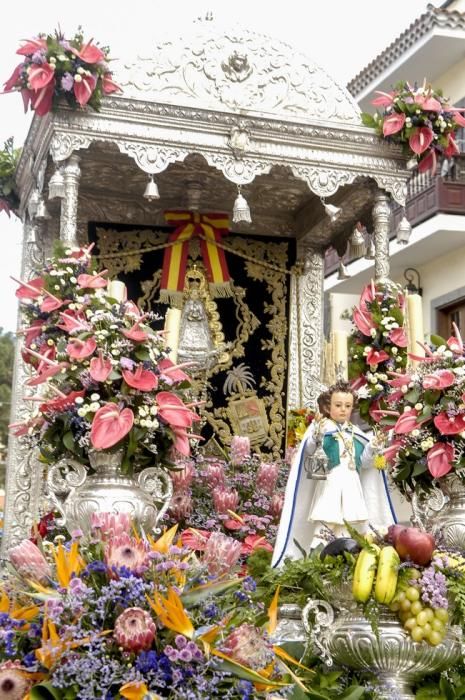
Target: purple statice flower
(67, 82)
(54, 609)
(127, 363)
(433, 586)
(38, 57)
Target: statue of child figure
(353, 491)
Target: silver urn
(346, 638)
(441, 510)
(77, 494)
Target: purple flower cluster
(434, 587)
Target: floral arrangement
(9, 156)
(241, 497)
(377, 347)
(103, 375)
(420, 120)
(121, 615)
(427, 417)
(298, 420)
(54, 67)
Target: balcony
(427, 196)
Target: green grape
(417, 634)
(422, 618)
(412, 594)
(434, 638)
(438, 625)
(414, 573)
(394, 606)
(429, 614)
(405, 605)
(410, 623)
(404, 615)
(441, 614)
(416, 607)
(400, 597)
(427, 629)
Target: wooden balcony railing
(428, 195)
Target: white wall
(440, 277)
(338, 303)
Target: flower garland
(377, 347)
(298, 420)
(104, 376)
(9, 156)
(420, 120)
(55, 67)
(121, 615)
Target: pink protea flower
(182, 479)
(276, 505)
(124, 551)
(14, 684)
(110, 525)
(240, 450)
(225, 500)
(29, 561)
(181, 505)
(247, 645)
(267, 476)
(135, 630)
(221, 553)
(215, 474)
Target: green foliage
(7, 349)
(9, 157)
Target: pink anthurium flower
(390, 452)
(428, 162)
(72, 321)
(455, 342)
(398, 337)
(99, 368)
(31, 289)
(136, 334)
(108, 84)
(181, 441)
(450, 425)
(51, 303)
(13, 79)
(368, 295)
(408, 421)
(394, 123)
(458, 117)
(451, 149)
(358, 383)
(92, 281)
(83, 90)
(61, 403)
(385, 99)
(19, 429)
(4, 206)
(439, 459)
(173, 410)
(40, 75)
(363, 321)
(31, 333)
(195, 539)
(253, 542)
(42, 100)
(374, 357)
(110, 425)
(89, 53)
(440, 379)
(420, 139)
(172, 373)
(428, 103)
(399, 379)
(141, 379)
(31, 46)
(46, 374)
(80, 349)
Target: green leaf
(246, 673)
(418, 469)
(446, 689)
(142, 354)
(45, 691)
(438, 340)
(404, 473)
(413, 395)
(368, 120)
(200, 593)
(68, 442)
(353, 693)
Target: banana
(386, 578)
(364, 573)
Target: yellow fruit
(364, 573)
(386, 578)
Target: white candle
(415, 326)
(172, 328)
(340, 353)
(117, 290)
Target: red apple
(393, 533)
(416, 545)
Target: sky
(342, 36)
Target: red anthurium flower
(89, 53)
(253, 542)
(32, 333)
(440, 379)
(393, 123)
(394, 396)
(195, 539)
(408, 421)
(141, 379)
(428, 103)
(450, 425)
(181, 441)
(73, 321)
(451, 149)
(458, 118)
(13, 79)
(374, 411)
(83, 90)
(31, 46)
(173, 410)
(368, 295)
(363, 321)
(50, 371)
(100, 369)
(428, 162)
(41, 100)
(398, 337)
(439, 459)
(31, 289)
(171, 372)
(358, 383)
(420, 139)
(50, 304)
(391, 452)
(61, 403)
(80, 349)
(385, 99)
(19, 429)
(40, 75)
(136, 334)
(92, 281)
(455, 345)
(374, 357)
(108, 84)
(233, 524)
(110, 425)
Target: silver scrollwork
(63, 479)
(159, 485)
(319, 630)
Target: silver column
(310, 325)
(69, 203)
(381, 225)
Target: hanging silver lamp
(370, 251)
(403, 231)
(241, 210)
(56, 185)
(42, 213)
(342, 272)
(357, 245)
(332, 211)
(151, 191)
